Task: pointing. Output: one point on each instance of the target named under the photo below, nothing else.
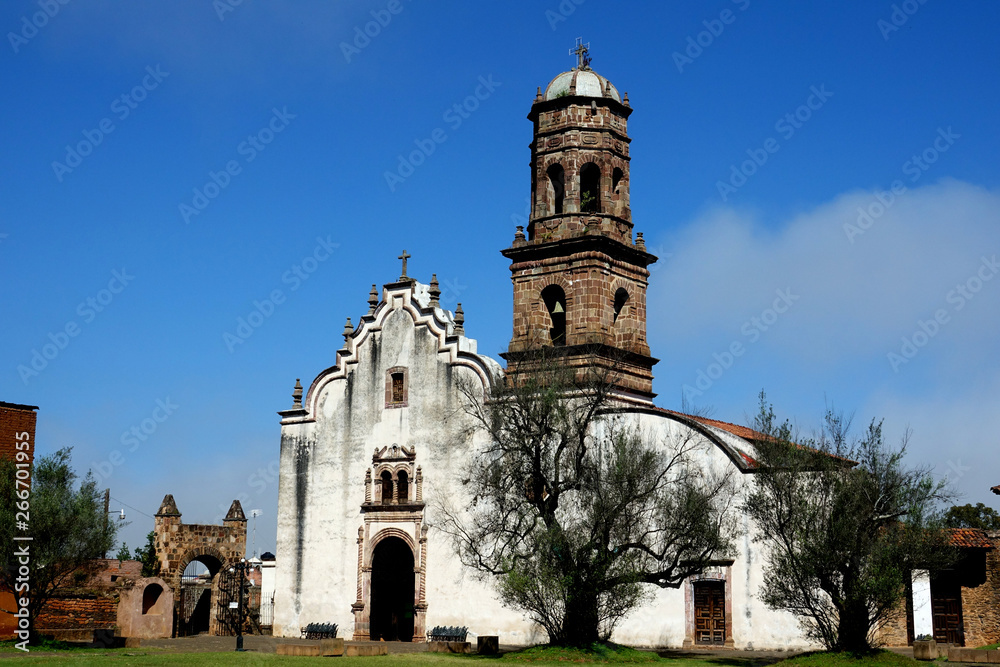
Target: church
(376, 439)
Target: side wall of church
(667, 619)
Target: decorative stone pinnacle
(297, 395)
(640, 242)
(519, 234)
(435, 291)
(235, 512)
(538, 95)
(404, 257)
(372, 300)
(348, 329)
(168, 507)
(459, 320)
(625, 101)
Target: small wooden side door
(710, 613)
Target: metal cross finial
(581, 52)
(404, 257)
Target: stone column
(419, 481)
(361, 627)
(368, 485)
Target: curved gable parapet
(733, 446)
(414, 299)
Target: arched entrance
(195, 603)
(392, 592)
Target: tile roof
(970, 538)
(738, 431)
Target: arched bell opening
(555, 303)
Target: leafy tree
(124, 553)
(575, 513)
(844, 521)
(147, 556)
(67, 523)
(969, 516)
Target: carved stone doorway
(392, 602)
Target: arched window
(403, 486)
(616, 179)
(149, 597)
(590, 188)
(386, 478)
(621, 298)
(555, 302)
(557, 188)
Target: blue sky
(277, 123)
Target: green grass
(990, 647)
(824, 659)
(539, 656)
(598, 653)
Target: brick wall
(82, 611)
(16, 419)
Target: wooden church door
(710, 613)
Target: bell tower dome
(579, 276)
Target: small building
(960, 605)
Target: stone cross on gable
(580, 51)
(404, 257)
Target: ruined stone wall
(981, 603)
(79, 611)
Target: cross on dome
(581, 52)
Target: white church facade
(375, 441)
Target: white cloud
(857, 301)
(855, 298)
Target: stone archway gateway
(217, 547)
(392, 597)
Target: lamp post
(241, 569)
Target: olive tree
(844, 521)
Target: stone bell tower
(579, 277)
